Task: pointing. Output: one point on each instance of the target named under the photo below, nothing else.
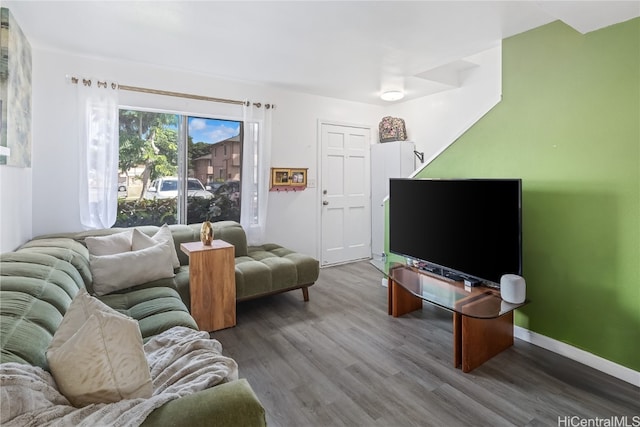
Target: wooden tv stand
(482, 321)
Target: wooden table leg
(457, 340)
(403, 301)
(389, 296)
(481, 339)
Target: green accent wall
(569, 126)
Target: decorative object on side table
(206, 233)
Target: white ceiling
(349, 50)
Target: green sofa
(39, 280)
(259, 270)
(37, 285)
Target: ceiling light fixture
(392, 95)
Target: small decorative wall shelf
(284, 179)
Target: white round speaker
(513, 288)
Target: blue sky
(212, 130)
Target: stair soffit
(451, 74)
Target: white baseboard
(596, 362)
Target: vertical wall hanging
(15, 93)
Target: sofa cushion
(43, 267)
(307, 268)
(140, 240)
(182, 234)
(109, 245)
(35, 291)
(283, 271)
(64, 249)
(182, 284)
(96, 355)
(229, 231)
(27, 325)
(271, 268)
(127, 269)
(252, 277)
(228, 404)
(156, 309)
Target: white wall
(15, 207)
(293, 217)
(44, 199)
(434, 122)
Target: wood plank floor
(340, 360)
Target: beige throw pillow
(139, 240)
(120, 271)
(109, 245)
(97, 355)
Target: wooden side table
(212, 284)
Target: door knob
(324, 202)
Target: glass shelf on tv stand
(479, 302)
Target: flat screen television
(458, 228)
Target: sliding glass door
(178, 169)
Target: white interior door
(345, 188)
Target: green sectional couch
(37, 285)
(39, 280)
(259, 270)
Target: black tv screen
(470, 227)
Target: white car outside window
(167, 188)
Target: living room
(575, 149)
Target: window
(157, 149)
(170, 185)
(194, 184)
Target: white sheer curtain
(98, 127)
(256, 158)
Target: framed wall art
(15, 93)
(288, 179)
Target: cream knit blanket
(182, 361)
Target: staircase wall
(434, 122)
(569, 126)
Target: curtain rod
(87, 82)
